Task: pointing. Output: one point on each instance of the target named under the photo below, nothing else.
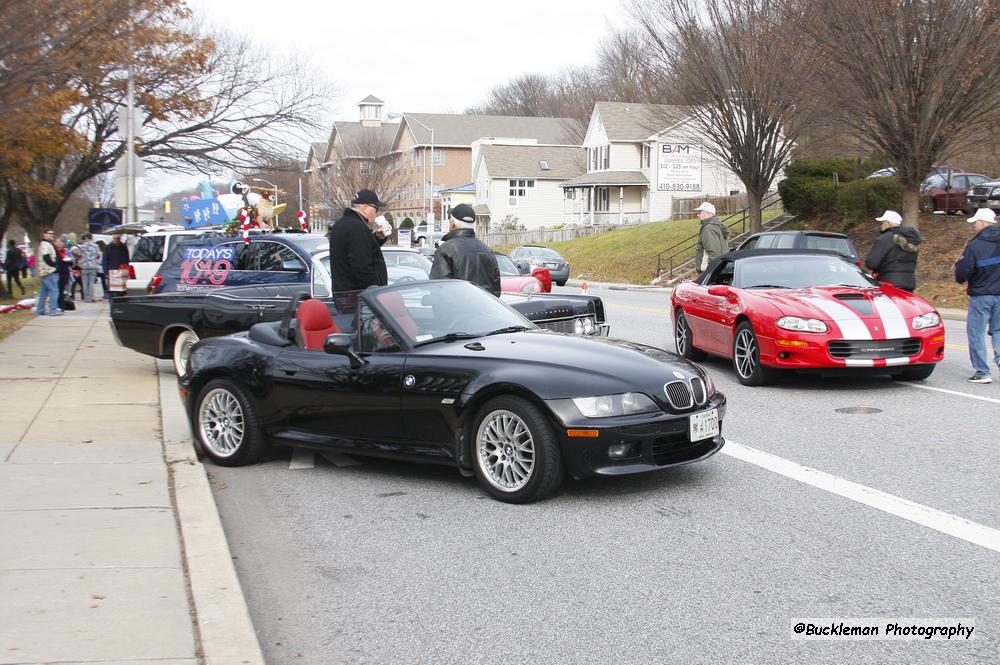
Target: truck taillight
(154, 283)
(131, 272)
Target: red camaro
(803, 310)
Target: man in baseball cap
(462, 255)
(893, 257)
(712, 239)
(979, 267)
(356, 260)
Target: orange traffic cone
(583, 288)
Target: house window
(570, 194)
(606, 156)
(543, 165)
(647, 155)
(518, 189)
(418, 158)
(438, 158)
(602, 199)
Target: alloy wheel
(681, 335)
(505, 450)
(221, 422)
(745, 353)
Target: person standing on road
(980, 268)
(356, 260)
(115, 258)
(48, 259)
(12, 266)
(712, 239)
(461, 255)
(90, 261)
(893, 257)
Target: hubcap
(746, 351)
(185, 343)
(220, 422)
(505, 450)
(681, 334)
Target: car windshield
(445, 310)
(507, 267)
(408, 260)
(798, 272)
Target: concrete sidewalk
(94, 567)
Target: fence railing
(724, 205)
(543, 236)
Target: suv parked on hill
(983, 195)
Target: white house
(640, 157)
(525, 181)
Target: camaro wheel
(225, 423)
(746, 358)
(182, 349)
(915, 373)
(517, 455)
(682, 338)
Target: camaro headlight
(928, 320)
(801, 325)
(605, 406)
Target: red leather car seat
(315, 323)
(393, 302)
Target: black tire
(683, 339)
(182, 349)
(927, 204)
(497, 461)
(915, 373)
(746, 358)
(224, 420)
(562, 283)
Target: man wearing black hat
(356, 260)
(462, 255)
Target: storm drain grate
(862, 410)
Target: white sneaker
(980, 378)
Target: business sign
(404, 238)
(678, 167)
(197, 213)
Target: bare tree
(916, 78)
(731, 64)
(362, 161)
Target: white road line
(339, 460)
(991, 400)
(302, 458)
(952, 525)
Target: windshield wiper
(768, 286)
(508, 329)
(450, 337)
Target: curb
(226, 631)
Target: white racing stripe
(892, 319)
(981, 398)
(850, 324)
(859, 362)
(952, 525)
(889, 362)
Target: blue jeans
(984, 312)
(50, 291)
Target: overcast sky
(424, 57)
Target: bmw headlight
(801, 325)
(928, 320)
(710, 388)
(605, 406)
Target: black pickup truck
(167, 325)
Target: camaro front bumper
(653, 441)
(801, 351)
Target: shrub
(407, 223)
(808, 196)
(867, 199)
(846, 168)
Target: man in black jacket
(893, 258)
(356, 260)
(462, 255)
(115, 258)
(980, 267)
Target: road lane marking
(302, 458)
(982, 398)
(952, 525)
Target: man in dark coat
(356, 260)
(893, 258)
(115, 258)
(462, 255)
(980, 268)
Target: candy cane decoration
(302, 220)
(245, 216)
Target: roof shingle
(625, 121)
(524, 161)
(462, 130)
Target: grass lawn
(625, 256)
(12, 321)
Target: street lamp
(268, 182)
(430, 202)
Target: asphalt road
(810, 512)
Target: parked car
(424, 236)
(149, 251)
(805, 311)
(891, 171)
(937, 193)
(442, 372)
(529, 257)
(983, 195)
(791, 240)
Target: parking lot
(835, 498)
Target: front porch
(606, 198)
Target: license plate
(551, 265)
(704, 425)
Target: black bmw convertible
(444, 372)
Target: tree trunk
(753, 205)
(911, 207)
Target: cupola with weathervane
(370, 111)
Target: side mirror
(522, 266)
(292, 266)
(339, 344)
(720, 290)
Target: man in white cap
(462, 255)
(712, 237)
(893, 257)
(980, 268)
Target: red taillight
(154, 283)
(131, 272)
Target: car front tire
(182, 350)
(684, 340)
(915, 373)
(517, 458)
(562, 282)
(746, 358)
(225, 422)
